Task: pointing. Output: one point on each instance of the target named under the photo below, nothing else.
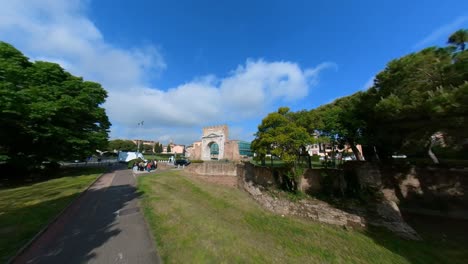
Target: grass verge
(25, 210)
(198, 222)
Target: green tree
(342, 122)
(280, 136)
(158, 147)
(415, 101)
(47, 114)
(459, 38)
(418, 97)
(147, 148)
(121, 145)
(168, 150)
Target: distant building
(144, 142)
(324, 149)
(175, 148)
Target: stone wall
(308, 208)
(263, 176)
(221, 129)
(424, 189)
(213, 168)
(231, 150)
(194, 151)
(438, 189)
(311, 181)
(256, 179)
(267, 177)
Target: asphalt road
(105, 225)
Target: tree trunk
(376, 154)
(356, 152)
(333, 155)
(429, 151)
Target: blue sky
(181, 65)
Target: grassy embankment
(199, 222)
(25, 210)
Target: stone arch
(214, 150)
(207, 143)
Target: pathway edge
(53, 220)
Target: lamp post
(138, 141)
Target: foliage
(417, 103)
(168, 150)
(280, 136)
(133, 161)
(315, 158)
(158, 148)
(459, 38)
(121, 145)
(341, 121)
(46, 113)
(147, 148)
(419, 95)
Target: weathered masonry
(216, 145)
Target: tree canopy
(147, 148)
(459, 38)
(280, 136)
(121, 145)
(158, 147)
(414, 98)
(47, 114)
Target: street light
(138, 141)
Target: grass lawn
(24, 210)
(199, 222)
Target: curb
(53, 220)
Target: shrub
(315, 158)
(131, 162)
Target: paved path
(105, 225)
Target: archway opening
(214, 151)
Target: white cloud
(59, 31)
(247, 92)
(442, 32)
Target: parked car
(182, 162)
(350, 157)
(399, 156)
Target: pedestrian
(141, 166)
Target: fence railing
(101, 163)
